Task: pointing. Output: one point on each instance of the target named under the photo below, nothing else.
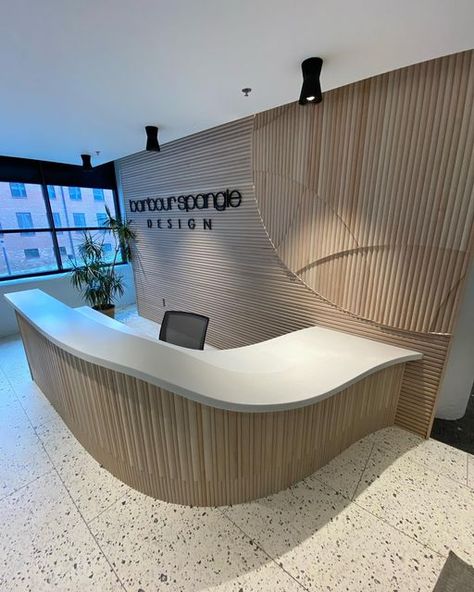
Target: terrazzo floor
(381, 516)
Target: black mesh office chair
(184, 328)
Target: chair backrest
(184, 328)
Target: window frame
(54, 231)
(77, 192)
(32, 250)
(18, 184)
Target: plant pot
(109, 310)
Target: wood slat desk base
(180, 451)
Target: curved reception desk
(208, 427)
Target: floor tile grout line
(82, 517)
(426, 467)
(366, 464)
(109, 506)
(26, 484)
(264, 551)
(54, 464)
(425, 545)
(361, 507)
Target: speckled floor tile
(7, 394)
(22, 458)
(35, 404)
(91, 486)
(328, 543)
(470, 470)
(45, 545)
(13, 360)
(430, 507)
(344, 472)
(183, 549)
(438, 457)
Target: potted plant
(94, 274)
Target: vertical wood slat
(183, 452)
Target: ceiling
(80, 76)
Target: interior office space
(236, 296)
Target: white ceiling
(85, 75)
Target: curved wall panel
(356, 215)
(380, 178)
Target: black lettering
(190, 200)
(140, 205)
(191, 223)
(170, 201)
(166, 205)
(149, 223)
(170, 223)
(220, 205)
(150, 201)
(133, 205)
(207, 224)
(179, 222)
(182, 203)
(158, 223)
(234, 198)
(202, 201)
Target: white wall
(459, 375)
(58, 286)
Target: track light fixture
(311, 89)
(86, 162)
(152, 144)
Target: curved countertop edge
(15, 298)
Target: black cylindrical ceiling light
(86, 162)
(311, 89)
(152, 144)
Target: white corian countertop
(286, 372)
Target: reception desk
(208, 427)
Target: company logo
(218, 201)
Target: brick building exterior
(22, 208)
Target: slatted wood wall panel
(368, 197)
(357, 215)
(180, 451)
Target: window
(31, 253)
(24, 220)
(98, 194)
(57, 221)
(34, 241)
(75, 193)
(79, 219)
(18, 190)
(101, 219)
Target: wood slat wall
(368, 196)
(357, 215)
(180, 451)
